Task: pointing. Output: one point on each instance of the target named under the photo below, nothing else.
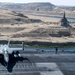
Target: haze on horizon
(55, 2)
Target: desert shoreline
(40, 44)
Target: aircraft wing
(15, 49)
(1, 51)
(10, 50)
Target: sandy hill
(42, 6)
(8, 16)
(28, 6)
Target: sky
(55, 2)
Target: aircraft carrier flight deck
(40, 63)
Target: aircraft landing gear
(17, 54)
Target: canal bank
(37, 44)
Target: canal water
(69, 19)
(50, 49)
(58, 17)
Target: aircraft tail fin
(8, 43)
(22, 45)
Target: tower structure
(64, 22)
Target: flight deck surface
(41, 63)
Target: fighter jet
(6, 51)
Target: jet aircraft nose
(6, 60)
(6, 57)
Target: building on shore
(64, 22)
